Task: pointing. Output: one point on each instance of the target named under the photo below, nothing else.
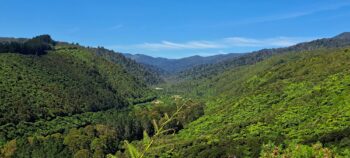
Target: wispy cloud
(173, 45)
(296, 14)
(116, 27)
(286, 15)
(230, 42)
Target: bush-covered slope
(73, 101)
(294, 98)
(95, 134)
(66, 81)
(210, 70)
(142, 72)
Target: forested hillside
(290, 105)
(171, 66)
(63, 82)
(209, 70)
(175, 79)
(75, 101)
(142, 72)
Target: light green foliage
(295, 97)
(82, 154)
(295, 151)
(134, 153)
(160, 128)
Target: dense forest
(142, 72)
(36, 46)
(291, 105)
(65, 100)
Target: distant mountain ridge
(186, 66)
(177, 65)
(344, 36)
(206, 70)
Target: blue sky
(176, 28)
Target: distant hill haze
(226, 60)
(177, 65)
(205, 70)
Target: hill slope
(177, 65)
(66, 81)
(209, 70)
(71, 101)
(142, 72)
(293, 98)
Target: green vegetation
(168, 67)
(211, 70)
(295, 98)
(74, 101)
(145, 73)
(36, 46)
(66, 81)
(295, 150)
(93, 133)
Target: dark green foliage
(9, 39)
(36, 46)
(96, 133)
(57, 105)
(63, 82)
(70, 95)
(145, 73)
(50, 147)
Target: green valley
(175, 79)
(75, 101)
(293, 103)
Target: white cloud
(116, 27)
(269, 42)
(230, 42)
(173, 45)
(309, 11)
(287, 15)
